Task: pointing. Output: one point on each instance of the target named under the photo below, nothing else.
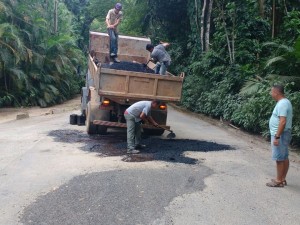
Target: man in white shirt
(134, 115)
(113, 19)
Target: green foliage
(233, 83)
(134, 13)
(253, 112)
(231, 80)
(37, 66)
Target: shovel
(145, 65)
(171, 135)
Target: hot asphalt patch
(114, 144)
(127, 197)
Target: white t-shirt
(137, 108)
(112, 16)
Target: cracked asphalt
(54, 173)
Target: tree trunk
(273, 20)
(197, 18)
(226, 34)
(207, 31)
(4, 76)
(55, 17)
(202, 25)
(285, 7)
(261, 8)
(233, 36)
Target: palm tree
(283, 67)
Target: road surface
(53, 173)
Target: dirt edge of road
(11, 114)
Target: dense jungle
(231, 51)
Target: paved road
(53, 173)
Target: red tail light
(163, 107)
(106, 102)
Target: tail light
(163, 107)
(106, 102)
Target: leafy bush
(254, 112)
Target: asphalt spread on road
(114, 144)
(129, 196)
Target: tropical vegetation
(231, 51)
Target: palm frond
(283, 47)
(250, 87)
(283, 78)
(18, 73)
(274, 60)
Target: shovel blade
(171, 135)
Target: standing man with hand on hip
(113, 19)
(134, 115)
(280, 128)
(160, 56)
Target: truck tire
(101, 130)
(92, 128)
(153, 132)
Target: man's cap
(118, 6)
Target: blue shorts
(281, 152)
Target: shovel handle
(164, 128)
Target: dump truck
(109, 92)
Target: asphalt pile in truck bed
(128, 66)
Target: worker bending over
(134, 115)
(160, 56)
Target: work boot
(113, 55)
(140, 147)
(116, 60)
(133, 151)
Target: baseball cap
(118, 6)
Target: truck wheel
(101, 130)
(90, 127)
(154, 132)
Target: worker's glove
(155, 124)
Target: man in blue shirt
(160, 56)
(280, 129)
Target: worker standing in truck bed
(113, 19)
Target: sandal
(275, 184)
(284, 182)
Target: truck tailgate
(139, 86)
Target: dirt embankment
(9, 114)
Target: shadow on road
(114, 144)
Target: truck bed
(135, 85)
